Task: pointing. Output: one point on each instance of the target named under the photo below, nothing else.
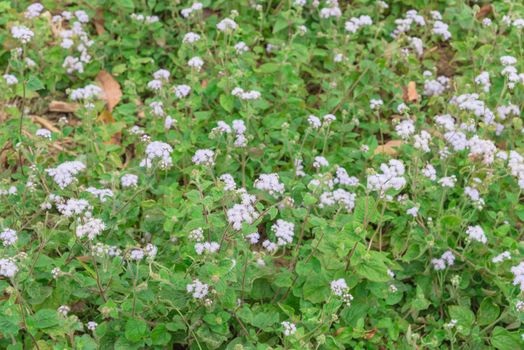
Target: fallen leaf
(484, 11)
(99, 21)
(106, 117)
(63, 107)
(45, 123)
(84, 258)
(410, 93)
(389, 148)
(370, 334)
(338, 331)
(111, 88)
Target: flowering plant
(292, 174)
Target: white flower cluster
(8, 267)
(289, 328)
(104, 250)
(196, 234)
(204, 157)
(509, 110)
(229, 182)
(270, 183)
(342, 178)
(448, 181)
(89, 92)
(246, 95)
(78, 38)
(158, 151)
(516, 167)
(129, 180)
(160, 77)
(429, 172)
(405, 129)
(73, 207)
(197, 289)
(33, 10)
(332, 10)
(518, 272)
(510, 71)
(284, 231)
(102, 194)
(241, 47)
(417, 44)
(483, 80)
(404, 24)
(197, 6)
(10, 79)
(320, 162)
(63, 310)
(441, 29)
(253, 238)
(22, 33)
(9, 192)
(436, 87)
(44, 133)
(238, 126)
(340, 289)
(446, 260)
(375, 103)
(8, 237)
(474, 195)
(196, 63)
(501, 257)
(147, 19)
(243, 212)
(476, 233)
(206, 247)
(340, 197)
(422, 140)
(65, 173)
(355, 23)
(485, 149)
(472, 103)
(90, 227)
(191, 38)
(390, 178)
(227, 25)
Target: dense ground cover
(279, 174)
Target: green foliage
(251, 223)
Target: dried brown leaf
(63, 107)
(410, 92)
(389, 148)
(111, 88)
(106, 117)
(484, 11)
(99, 21)
(45, 123)
(371, 333)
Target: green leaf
(450, 221)
(269, 68)
(464, 316)
(160, 335)
(316, 289)
(488, 312)
(35, 84)
(373, 270)
(503, 339)
(45, 318)
(135, 330)
(280, 24)
(227, 102)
